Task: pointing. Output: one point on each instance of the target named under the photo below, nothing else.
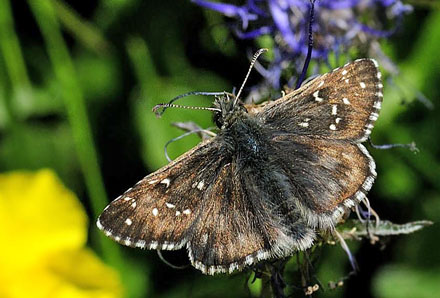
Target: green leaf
(154, 132)
(400, 281)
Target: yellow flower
(43, 231)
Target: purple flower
(338, 26)
(244, 13)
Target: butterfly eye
(218, 119)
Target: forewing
(327, 177)
(158, 211)
(342, 104)
(226, 218)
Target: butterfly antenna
(197, 93)
(254, 59)
(164, 106)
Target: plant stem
(14, 64)
(76, 110)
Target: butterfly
(273, 176)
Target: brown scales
(273, 175)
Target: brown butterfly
(270, 178)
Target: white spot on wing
(127, 199)
(374, 116)
(200, 185)
(362, 85)
(141, 244)
(334, 109)
(337, 120)
(168, 246)
(304, 124)
(349, 203)
(332, 127)
(344, 72)
(170, 205)
(360, 196)
(249, 260)
(133, 205)
(316, 96)
(99, 225)
(128, 222)
(187, 211)
(321, 83)
(346, 101)
(155, 212)
(261, 255)
(153, 245)
(178, 213)
(232, 267)
(166, 181)
(150, 182)
(347, 81)
(368, 183)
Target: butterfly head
(228, 108)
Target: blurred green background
(78, 80)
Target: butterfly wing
(230, 214)
(342, 104)
(159, 210)
(243, 223)
(225, 217)
(327, 177)
(316, 135)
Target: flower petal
(281, 19)
(43, 230)
(38, 215)
(229, 10)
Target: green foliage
(403, 282)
